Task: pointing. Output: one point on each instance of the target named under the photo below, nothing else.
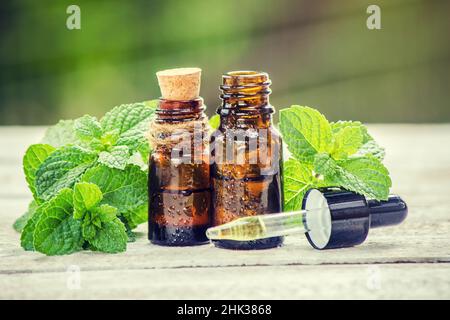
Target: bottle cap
(346, 217)
(179, 84)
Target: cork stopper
(180, 83)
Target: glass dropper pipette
(261, 226)
(331, 218)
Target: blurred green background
(318, 53)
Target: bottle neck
(245, 100)
(175, 111)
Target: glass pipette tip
(261, 226)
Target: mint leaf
(298, 179)
(106, 213)
(27, 236)
(339, 125)
(144, 152)
(152, 104)
(117, 157)
(131, 235)
(61, 170)
(86, 197)
(109, 139)
(90, 133)
(20, 223)
(347, 141)
(132, 121)
(137, 216)
(365, 175)
(306, 132)
(57, 232)
(111, 238)
(214, 122)
(124, 189)
(368, 145)
(88, 229)
(372, 174)
(61, 134)
(87, 128)
(95, 219)
(137, 159)
(34, 157)
(373, 148)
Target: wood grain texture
(408, 261)
(393, 281)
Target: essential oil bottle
(179, 176)
(246, 155)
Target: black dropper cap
(348, 217)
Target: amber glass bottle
(179, 185)
(246, 154)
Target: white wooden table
(408, 261)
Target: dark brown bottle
(179, 176)
(246, 154)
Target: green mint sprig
(87, 182)
(324, 154)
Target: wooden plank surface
(408, 261)
(393, 281)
